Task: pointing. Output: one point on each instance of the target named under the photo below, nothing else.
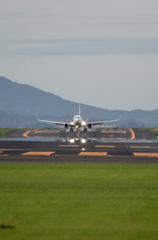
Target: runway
(101, 134)
(111, 145)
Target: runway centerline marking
(47, 132)
(78, 134)
(45, 137)
(15, 149)
(104, 131)
(68, 145)
(93, 154)
(38, 153)
(145, 154)
(133, 134)
(106, 146)
(112, 138)
(139, 147)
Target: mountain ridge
(20, 103)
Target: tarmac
(100, 134)
(101, 145)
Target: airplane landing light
(83, 140)
(72, 140)
(83, 123)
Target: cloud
(80, 46)
(123, 23)
(17, 15)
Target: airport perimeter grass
(79, 201)
(154, 132)
(4, 131)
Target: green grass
(4, 131)
(78, 201)
(154, 131)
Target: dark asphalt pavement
(113, 151)
(102, 145)
(109, 134)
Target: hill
(20, 103)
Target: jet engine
(89, 125)
(66, 125)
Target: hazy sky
(102, 53)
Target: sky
(102, 53)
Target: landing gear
(85, 129)
(71, 129)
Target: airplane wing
(57, 123)
(99, 123)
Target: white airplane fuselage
(77, 120)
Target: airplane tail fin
(79, 109)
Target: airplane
(77, 122)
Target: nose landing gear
(71, 129)
(85, 129)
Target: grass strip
(79, 201)
(5, 131)
(154, 132)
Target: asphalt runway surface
(103, 145)
(101, 134)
